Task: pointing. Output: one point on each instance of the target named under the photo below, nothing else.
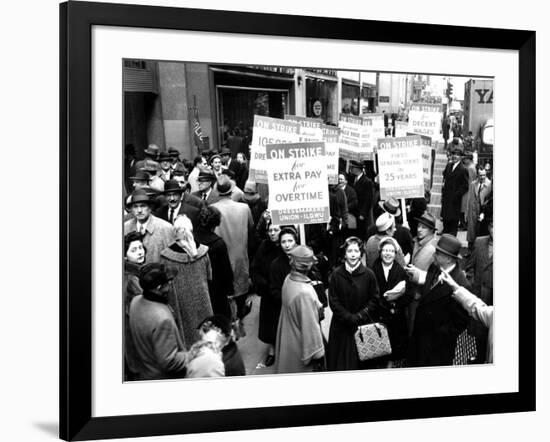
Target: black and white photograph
(284, 220)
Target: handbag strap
(372, 322)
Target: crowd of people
(200, 242)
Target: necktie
(204, 196)
(171, 216)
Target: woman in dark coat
(394, 297)
(353, 298)
(134, 257)
(221, 286)
(271, 299)
(268, 251)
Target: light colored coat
(477, 309)
(299, 336)
(157, 341)
(236, 221)
(159, 235)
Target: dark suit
(438, 322)
(455, 185)
(213, 197)
(481, 263)
(241, 173)
(186, 208)
(364, 188)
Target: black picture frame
(76, 21)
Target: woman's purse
(372, 340)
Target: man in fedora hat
(157, 233)
(207, 191)
(422, 257)
(177, 204)
(236, 193)
(455, 185)
(237, 168)
(439, 319)
(165, 162)
(150, 154)
(153, 168)
(364, 188)
(158, 344)
(235, 227)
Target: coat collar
(341, 270)
(298, 277)
(176, 253)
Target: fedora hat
(141, 175)
(250, 187)
(150, 166)
(428, 220)
(152, 150)
(206, 175)
(138, 196)
(225, 151)
(173, 152)
(224, 185)
(165, 156)
(449, 245)
(172, 186)
(391, 206)
(354, 163)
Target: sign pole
(404, 213)
(302, 234)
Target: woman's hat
(303, 254)
(387, 239)
(224, 185)
(391, 206)
(138, 196)
(449, 245)
(384, 222)
(428, 220)
(172, 186)
(213, 157)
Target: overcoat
(350, 295)
(234, 228)
(192, 213)
(394, 313)
(130, 291)
(455, 185)
(476, 200)
(221, 285)
(189, 296)
(159, 235)
(438, 323)
(157, 340)
(299, 335)
(260, 274)
(364, 188)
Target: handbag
(372, 341)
